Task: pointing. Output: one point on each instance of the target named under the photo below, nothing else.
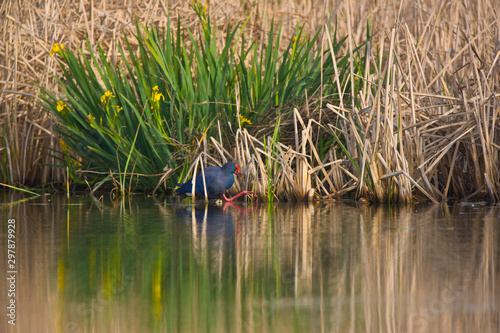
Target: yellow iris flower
(156, 95)
(61, 106)
(107, 95)
(244, 120)
(56, 48)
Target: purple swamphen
(217, 179)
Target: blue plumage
(217, 180)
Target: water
(146, 266)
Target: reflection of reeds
(392, 273)
(283, 268)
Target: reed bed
(414, 117)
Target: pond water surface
(144, 265)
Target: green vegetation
(129, 123)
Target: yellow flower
(61, 106)
(117, 108)
(159, 96)
(156, 96)
(107, 95)
(91, 118)
(244, 120)
(56, 48)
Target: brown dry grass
(431, 130)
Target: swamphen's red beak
(237, 172)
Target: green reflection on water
(147, 266)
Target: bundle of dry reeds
(428, 126)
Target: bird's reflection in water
(213, 229)
(210, 219)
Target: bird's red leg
(249, 193)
